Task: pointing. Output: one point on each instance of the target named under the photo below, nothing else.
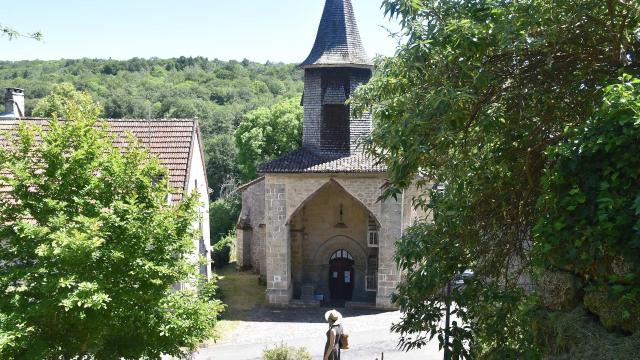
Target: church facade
(313, 226)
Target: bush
(224, 251)
(223, 214)
(284, 352)
(208, 290)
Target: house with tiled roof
(177, 143)
(313, 225)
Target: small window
(341, 254)
(373, 239)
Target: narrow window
(373, 237)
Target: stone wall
(278, 243)
(251, 252)
(390, 231)
(286, 194)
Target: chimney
(14, 103)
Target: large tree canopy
(63, 97)
(267, 133)
(90, 249)
(476, 95)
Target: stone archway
(321, 264)
(329, 220)
(329, 184)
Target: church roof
(172, 141)
(338, 40)
(307, 161)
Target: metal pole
(447, 355)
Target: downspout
(402, 215)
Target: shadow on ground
(303, 315)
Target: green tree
(221, 154)
(477, 93)
(224, 214)
(267, 133)
(65, 97)
(91, 249)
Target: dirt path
(242, 293)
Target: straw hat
(333, 317)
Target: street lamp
(457, 282)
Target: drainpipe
(402, 215)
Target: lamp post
(457, 282)
(447, 319)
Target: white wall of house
(197, 181)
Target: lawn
(241, 292)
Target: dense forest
(219, 93)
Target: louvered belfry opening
(334, 125)
(334, 137)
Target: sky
(258, 30)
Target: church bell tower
(336, 66)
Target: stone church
(313, 225)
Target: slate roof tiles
(338, 40)
(307, 161)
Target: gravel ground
(266, 327)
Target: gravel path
(266, 327)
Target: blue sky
(259, 30)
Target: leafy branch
(14, 34)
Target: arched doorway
(341, 276)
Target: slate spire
(338, 41)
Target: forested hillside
(219, 93)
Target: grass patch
(576, 334)
(241, 292)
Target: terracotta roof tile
(170, 140)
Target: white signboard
(347, 277)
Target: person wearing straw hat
(335, 332)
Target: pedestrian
(334, 334)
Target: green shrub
(208, 290)
(284, 352)
(223, 215)
(224, 251)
